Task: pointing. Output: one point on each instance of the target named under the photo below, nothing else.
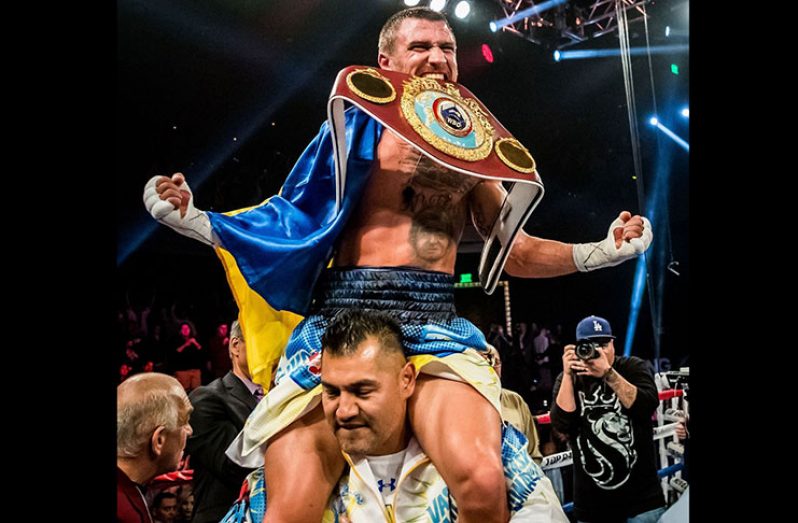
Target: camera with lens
(587, 350)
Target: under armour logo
(596, 326)
(382, 484)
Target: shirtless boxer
(396, 252)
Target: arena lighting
(638, 288)
(545, 6)
(462, 9)
(437, 5)
(411, 3)
(655, 259)
(557, 56)
(634, 51)
(685, 112)
(670, 134)
(653, 121)
(487, 53)
(669, 31)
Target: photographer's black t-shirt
(615, 473)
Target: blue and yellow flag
(273, 253)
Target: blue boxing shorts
(437, 342)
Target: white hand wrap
(597, 255)
(195, 224)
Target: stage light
(556, 56)
(534, 10)
(411, 3)
(487, 53)
(686, 112)
(437, 5)
(462, 9)
(581, 54)
(670, 134)
(671, 32)
(673, 136)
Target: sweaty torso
(412, 212)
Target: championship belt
(446, 123)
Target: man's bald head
(143, 403)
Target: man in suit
(152, 425)
(220, 410)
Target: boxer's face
(423, 48)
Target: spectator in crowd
(522, 340)
(157, 348)
(186, 359)
(185, 504)
(497, 338)
(164, 508)
(125, 371)
(218, 352)
(541, 344)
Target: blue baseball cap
(593, 327)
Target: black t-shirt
(615, 473)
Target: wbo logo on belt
(446, 120)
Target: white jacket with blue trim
(422, 495)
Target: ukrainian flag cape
(273, 253)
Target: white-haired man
(151, 431)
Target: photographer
(604, 404)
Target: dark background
(231, 94)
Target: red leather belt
(447, 123)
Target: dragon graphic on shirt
(606, 443)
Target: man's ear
(383, 60)
(158, 440)
(408, 379)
